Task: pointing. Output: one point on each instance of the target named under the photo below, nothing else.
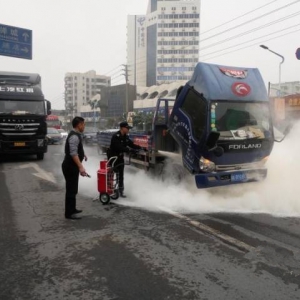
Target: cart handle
(111, 162)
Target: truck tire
(173, 173)
(40, 156)
(104, 198)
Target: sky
(83, 35)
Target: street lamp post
(282, 61)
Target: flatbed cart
(107, 181)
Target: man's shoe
(73, 217)
(122, 195)
(77, 211)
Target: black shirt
(120, 144)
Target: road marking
(223, 237)
(40, 172)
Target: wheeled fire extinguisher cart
(107, 181)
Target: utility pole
(127, 88)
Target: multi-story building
(136, 50)
(81, 87)
(287, 88)
(163, 45)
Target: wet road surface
(120, 252)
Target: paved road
(124, 252)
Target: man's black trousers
(71, 175)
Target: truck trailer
(23, 111)
(219, 125)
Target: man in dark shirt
(72, 166)
(120, 144)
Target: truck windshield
(18, 107)
(236, 120)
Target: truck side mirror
(48, 107)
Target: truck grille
(18, 127)
(236, 167)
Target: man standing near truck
(120, 144)
(72, 167)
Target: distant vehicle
(90, 135)
(53, 121)
(23, 111)
(53, 136)
(63, 133)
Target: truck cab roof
(15, 85)
(20, 78)
(218, 82)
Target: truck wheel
(173, 173)
(40, 156)
(115, 195)
(104, 198)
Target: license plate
(238, 177)
(19, 144)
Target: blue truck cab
(222, 123)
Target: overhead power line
(249, 21)
(112, 70)
(249, 12)
(255, 44)
(260, 37)
(252, 30)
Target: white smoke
(277, 195)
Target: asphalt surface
(121, 252)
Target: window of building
(153, 95)
(163, 94)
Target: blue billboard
(15, 42)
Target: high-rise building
(81, 87)
(163, 45)
(136, 50)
